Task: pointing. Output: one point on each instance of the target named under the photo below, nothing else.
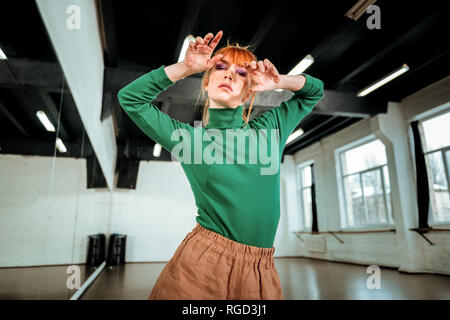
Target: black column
(314, 227)
(423, 192)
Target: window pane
(387, 186)
(306, 175)
(437, 170)
(439, 195)
(373, 195)
(437, 132)
(307, 207)
(353, 198)
(364, 157)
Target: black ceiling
(143, 35)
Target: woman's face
(236, 77)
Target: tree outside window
(366, 185)
(435, 134)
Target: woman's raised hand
(198, 54)
(265, 74)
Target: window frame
(422, 118)
(300, 189)
(341, 187)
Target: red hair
(237, 55)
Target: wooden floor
(301, 279)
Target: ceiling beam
(109, 32)
(310, 132)
(19, 71)
(13, 120)
(337, 43)
(43, 147)
(405, 40)
(306, 140)
(272, 15)
(188, 26)
(188, 89)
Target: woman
(229, 253)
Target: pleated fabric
(208, 266)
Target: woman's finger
(213, 61)
(268, 65)
(216, 40)
(208, 38)
(199, 40)
(261, 66)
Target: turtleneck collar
(224, 118)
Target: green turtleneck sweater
(233, 168)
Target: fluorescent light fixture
(294, 135)
(394, 74)
(301, 66)
(60, 145)
(44, 120)
(359, 8)
(2, 55)
(185, 47)
(157, 150)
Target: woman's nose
(228, 74)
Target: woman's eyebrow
(228, 63)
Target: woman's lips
(225, 87)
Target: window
(436, 136)
(365, 185)
(305, 194)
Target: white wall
(37, 225)
(38, 220)
(404, 249)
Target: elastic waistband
(233, 249)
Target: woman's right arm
(136, 97)
(136, 100)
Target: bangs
(237, 55)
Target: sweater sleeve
(136, 98)
(286, 116)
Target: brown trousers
(208, 266)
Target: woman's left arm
(307, 91)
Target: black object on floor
(96, 250)
(116, 249)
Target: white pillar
(392, 130)
(73, 30)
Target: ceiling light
(60, 145)
(44, 120)
(394, 74)
(359, 8)
(301, 66)
(185, 46)
(294, 135)
(2, 55)
(157, 150)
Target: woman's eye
(244, 74)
